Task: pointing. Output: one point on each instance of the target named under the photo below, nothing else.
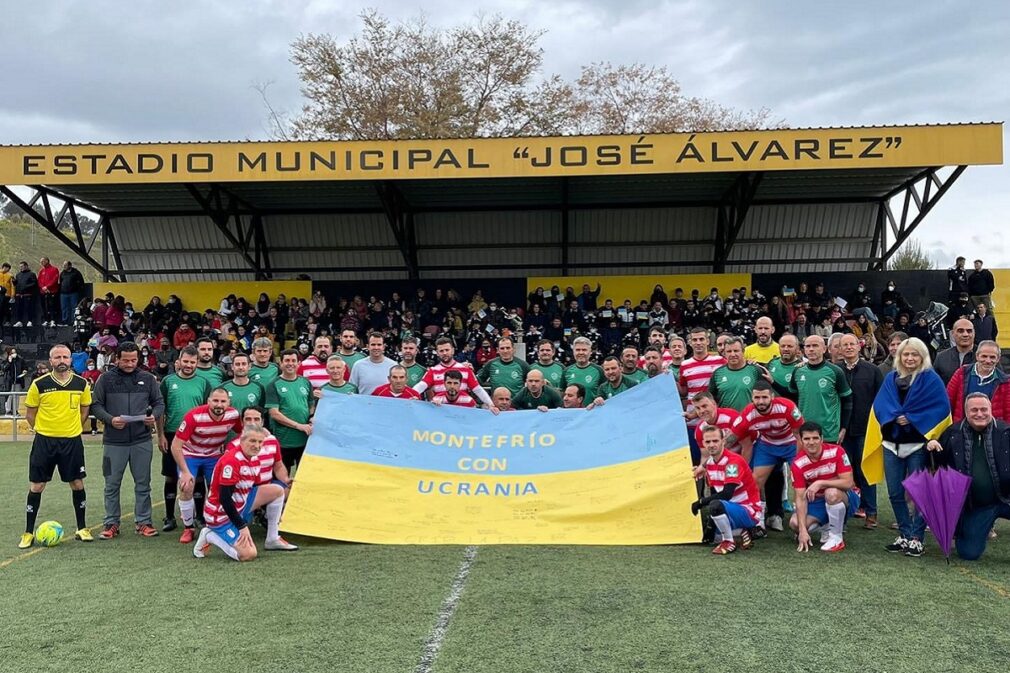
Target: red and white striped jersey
(387, 391)
(462, 400)
(268, 456)
(694, 376)
(315, 371)
(731, 468)
(724, 420)
(202, 435)
(832, 463)
(234, 469)
(667, 360)
(776, 427)
(434, 378)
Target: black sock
(170, 498)
(80, 506)
(199, 491)
(32, 510)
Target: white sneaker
(774, 522)
(833, 543)
(20, 324)
(29, 324)
(201, 546)
(280, 544)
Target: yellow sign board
(199, 297)
(637, 288)
(771, 150)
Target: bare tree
(410, 80)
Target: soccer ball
(49, 533)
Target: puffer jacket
(119, 394)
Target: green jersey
(674, 371)
(820, 390)
(265, 375)
(553, 373)
(607, 389)
(637, 376)
(213, 375)
(549, 397)
(351, 359)
(782, 373)
(252, 394)
(294, 400)
(497, 374)
(415, 373)
(732, 387)
(346, 389)
(589, 377)
(181, 395)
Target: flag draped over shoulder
(926, 407)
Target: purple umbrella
(939, 498)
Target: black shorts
(50, 453)
(291, 456)
(169, 469)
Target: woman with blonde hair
(910, 408)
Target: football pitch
(147, 605)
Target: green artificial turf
(146, 605)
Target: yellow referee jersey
(59, 405)
(762, 354)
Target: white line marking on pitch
(434, 642)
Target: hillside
(23, 239)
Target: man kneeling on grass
(825, 490)
(232, 497)
(735, 503)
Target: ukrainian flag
(926, 407)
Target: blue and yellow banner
(392, 471)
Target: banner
(637, 288)
(711, 152)
(391, 471)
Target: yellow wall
(201, 296)
(637, 288)
(1001, 302)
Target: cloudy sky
(147, 70)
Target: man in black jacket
(864, 380)
(980, 286)
(71, 286)
(127, 392)
(957, 280)
(978, 446)
(961, 353)
(26, 286)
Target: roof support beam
(221, 206)
(730, 216)
(564, 227)
(52, 223)
(924, 203)
(401, 221)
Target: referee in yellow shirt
(764, 349)
(57, 406)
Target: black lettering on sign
(640, 152)
(471, 160)
(838, 148)
(93, 160)
(329, 161)
(774, 149)
(119, 163)
(574, 156)
(415, 157)
(65, 164)
(447, 157)
(868, 146)
(30, 165)
(200, 162)
(715, 154)
(259, 162)
(296, 166)
(149, 163)
(808, 147)
(741, 152)
(366, 165)
(690, 151)
(608, 155)
(540, 163)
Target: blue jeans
(68, 302)
(854, 448)
(973, 529)
(895, 471)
